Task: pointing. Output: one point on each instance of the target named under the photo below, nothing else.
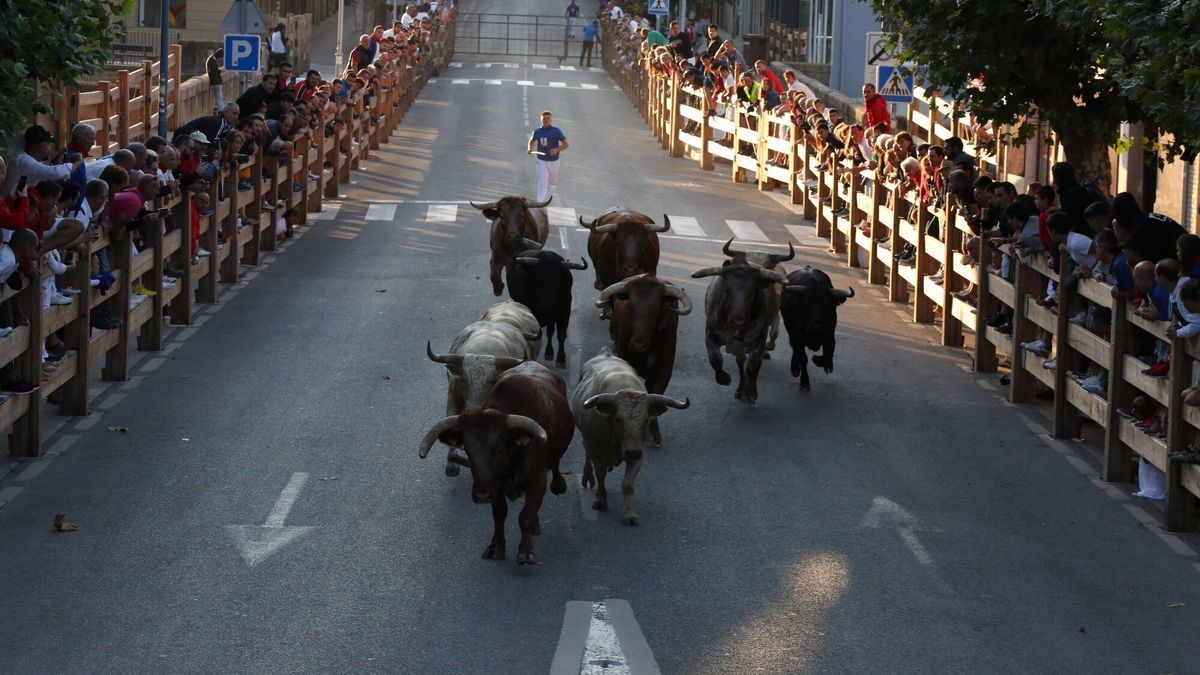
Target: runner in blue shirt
(546, 142)
(572, 17)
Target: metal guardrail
(527, 35)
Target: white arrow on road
(258, 542)
(887, 513)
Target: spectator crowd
(59, 196)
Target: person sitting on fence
(794, 84)
(955, 152)
(714, 40)
(876, 107)
(1166, 279)
(254, 99)
(33, 163)
(731, 54)
(769, 78)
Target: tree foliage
(48, 41)
(1084, 66)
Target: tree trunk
(1089, 154)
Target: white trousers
(547, 175)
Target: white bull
(518, 316)
(613, 411)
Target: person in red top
(768, 77)
(877, 108)
(14, 209)
(307, 88)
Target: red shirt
(768, 76)
(14, 212)
(128, 203)
(877, 112)
(1043, 231)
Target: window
(820, 31)
(149, 11)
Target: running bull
(516, 221)
(809, 309)
(541, 280)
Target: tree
(49, 41)
(1007, 60)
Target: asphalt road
(898, 518)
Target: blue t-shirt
(1121, 272)
(589, 32)
(546, 139)
(572, 10)
(1162, 302)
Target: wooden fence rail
(142, 326)
(866, 218)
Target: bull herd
(510, 419)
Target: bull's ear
(491, 214)
(452, 438)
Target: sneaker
(1050, 364)
(1189, 456)
(1037, 347)
(139, 289)
(94, 283)
(67, 290)
(172, 273)
(297, 187)
(1006, 329)
(19, 386)
(1089, 381)
(1146, 422)
(244, 186)
(202, 252)
(1096, 387)
(997, 320)
(167, 283)
(59, 299)
(313, 176)
(135, 300)
(1080, 318)
(1127, 413)
(6, 331)
(1160, 369)
(207, 212)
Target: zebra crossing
(556, 84)
(535, 66)
(565, 219)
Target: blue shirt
(572, 10)
(1121, 272)
(546, 139)
(589, 32)
(1162, 302)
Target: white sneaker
(135, 300)
(94, 283)
(6, 331)
(1092, 381)
(167, 283)
(1080, 318)
(1049, 364)
(1037, 347)
(60, 299)
(1096, 387)
(202, 252)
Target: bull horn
(671, 402)
(708, 272)
(771, 275)
(483, 207)
(583, 223)
(845, 295)
(617, 288)
(522, 423)
(730, 251)
(666, 226)
(795, 288)
(576, 265)
(438, 429)
(684, 302)
(539, 205)
(598, 399)
(776, 258)
(530, 245)
(505, 362)
(446, 359)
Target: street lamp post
(337, 55)
(164, 73)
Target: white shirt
(406, 20)
(616, 13)
(277, 46)
(1078, 246)
(94, 169)
(799, 86)
(389, 33)
(34, 171)
(8, 263)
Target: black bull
(809, 307)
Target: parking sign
(243, 53)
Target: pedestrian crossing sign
(894, 83)
(659, 7)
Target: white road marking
(512, 65)
(381, 212)
(257, 543)
(455, 64)
(442, 213)
(524, 83)
(112, 400)
(460, 81)
(746, 229)
(566, 67)
(686, 226)
(538, 66)
(602, 638)
(328, 213)
(493, 81)
(432, 80)
(558, 85)
(85, 423)
(561, 216)
(7, 494)
(584, 85)
(562, 238)
(885, 513)
(804, 236)
(416, 201)
(484, 65)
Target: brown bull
(511, 441)
(623, 243)
(517, 224)
(645, 321)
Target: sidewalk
(324, 39)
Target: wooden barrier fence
(867, 217)
(142, 326)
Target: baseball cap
(199, 137)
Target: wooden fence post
(116, 360)
(122, 108)
(1118, 458)
(1181, 505)
(181, 306)
(1023, 385)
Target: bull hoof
(536, 529)
(453, 470)
(723, 378)
(630, 519)
(600, 505)
(549, 353)
(822, 361)
(497, 290)
(526, 558)
(805, 387)
(795, 372)
(558, 484)
(766, 356)
(561, 363)
(493, 552)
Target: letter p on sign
(243, 53)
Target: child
(1098, 216)
(1166, 277)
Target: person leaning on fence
(278, 44)
(254, 99)
(678, 40)
(34, 163)
(360, 57)
(212, 68)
